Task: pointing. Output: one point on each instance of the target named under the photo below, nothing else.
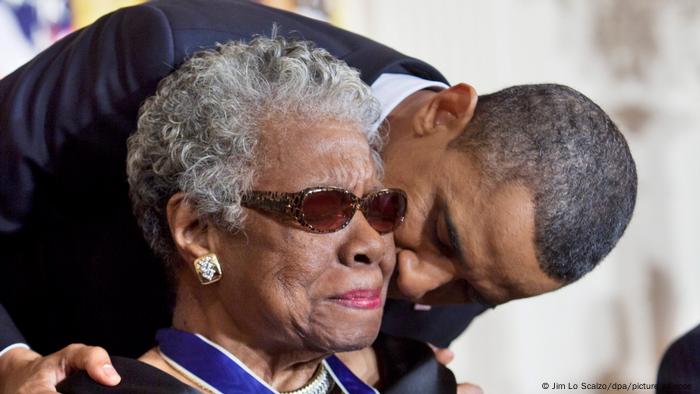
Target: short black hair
(568, 152)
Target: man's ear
(449, 110)
(189, 232)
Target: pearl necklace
(321, 383)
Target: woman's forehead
(328, 153)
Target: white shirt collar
(391, 89)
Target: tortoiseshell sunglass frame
(290, 204)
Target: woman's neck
(281, 367)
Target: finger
(443, 355)
(468, 388)
(94, 360)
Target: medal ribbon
(215, 368)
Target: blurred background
(638, 59)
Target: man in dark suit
(74, 258)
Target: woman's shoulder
(137, 377)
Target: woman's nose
(364, 244)
(417, 276)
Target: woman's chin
(352, 335)
(348, 344)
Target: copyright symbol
(545, 386)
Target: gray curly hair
(199, 133)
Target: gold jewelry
(208, 269)
(320, 383)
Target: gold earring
(208, 269)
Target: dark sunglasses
(329, 209)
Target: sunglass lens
(327, 210)
(385, 211)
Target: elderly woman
(253, 177)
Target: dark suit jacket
(679, 372)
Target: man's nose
(417, 276)
(364, 244)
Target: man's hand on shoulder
(25, 371)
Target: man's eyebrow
(454, 240)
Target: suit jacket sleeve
(75, 94)
(62, 94)
(9, 334)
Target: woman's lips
(360, 299)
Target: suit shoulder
(137, 377)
